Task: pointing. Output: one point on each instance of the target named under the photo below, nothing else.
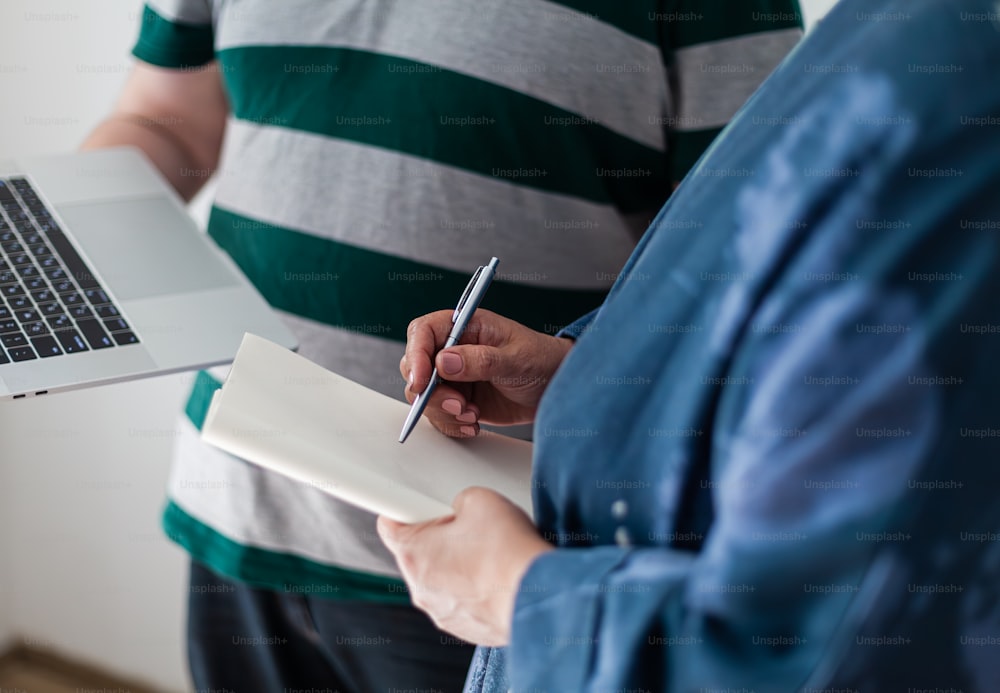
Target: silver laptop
(104, 277)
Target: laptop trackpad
(146, 247)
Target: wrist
(516, 568)
(561, 346)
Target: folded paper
(279, 410)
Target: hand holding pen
(497, 375)
(467, 304)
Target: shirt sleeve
(854, 400)
(176, 34)
(576, 328)
(717, 53)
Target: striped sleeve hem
(173, 44)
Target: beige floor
(27, 671)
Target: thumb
(475, 363)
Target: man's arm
(176, 117)
(717, 53)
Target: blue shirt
(772, 460)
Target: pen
(467, 304)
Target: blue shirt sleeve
(576, 328)
(851, 444)
(796, 488)
(843, 374)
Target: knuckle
(413, 327)
(490, 360)
(449, 429)
(420, 600)
(473, 494)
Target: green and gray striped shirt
(378, 151)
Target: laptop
(104, 277)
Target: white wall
(84, 568)
(90, 573)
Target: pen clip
(465, 294)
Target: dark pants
(247, 640)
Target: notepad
(283, 412)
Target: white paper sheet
(281, 411)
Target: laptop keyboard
(50, 302)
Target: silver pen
(467, 304)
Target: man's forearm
(167, 152)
